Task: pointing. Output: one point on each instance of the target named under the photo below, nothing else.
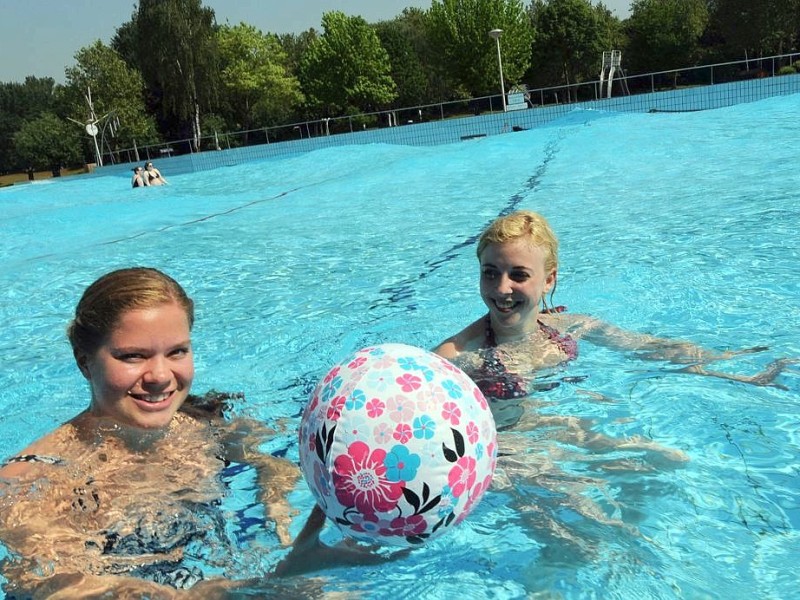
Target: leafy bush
(47, 142)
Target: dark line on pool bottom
(404, 290)
(201, 219)
(193, 221)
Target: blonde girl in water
(523, 333)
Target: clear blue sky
(41, 37)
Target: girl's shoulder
(44, 453)
(574, 324)
(469, 338)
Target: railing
(554, 95)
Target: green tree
(295, 46)
(610, 30)
(459, 32)
(571, 36)
(346, 70)
(772, 26)
(21, 102)
(177, 53)
(405, 40)
(124, 42)
(415, 23)
(665, 34)
(48, 142)
(259, 88)
(117, 94)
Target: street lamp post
(495, 33)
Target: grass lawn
(38, 176)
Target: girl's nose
(504, 285)
(158, 370)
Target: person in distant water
(152, 175)
(138, 179)
(123, 498)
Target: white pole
(91, 128)
(495, 33)
(99, 157)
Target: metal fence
(623, 85)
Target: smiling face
(513, 281)
(141, 372)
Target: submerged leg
(764, 378)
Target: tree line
(172, 72)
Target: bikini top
(566, 344)
(493, 377)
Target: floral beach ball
(397, 445)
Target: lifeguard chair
(612, 62)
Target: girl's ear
(550, 280)
(83, 364)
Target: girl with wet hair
(127, 495)
(524, 332)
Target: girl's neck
(496, 336)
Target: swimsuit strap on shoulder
(567, 344)
(556, 309)
(491, 342)
(25, 458)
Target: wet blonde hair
(528, 226)
(104, 302)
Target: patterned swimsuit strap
(554, 310)
(566, 344)
(490, 340)
(27, 458)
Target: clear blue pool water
(680, 225)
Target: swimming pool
(681, 225)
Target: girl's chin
(131, 417)
(513, 320)
(506, 313)
(152, 417)
(151, 424)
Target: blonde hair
(528, 226)
(115, 293)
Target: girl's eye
(520, 276)
(489, 273)
(132, 357)
(180, 352)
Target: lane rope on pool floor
(404, 289)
